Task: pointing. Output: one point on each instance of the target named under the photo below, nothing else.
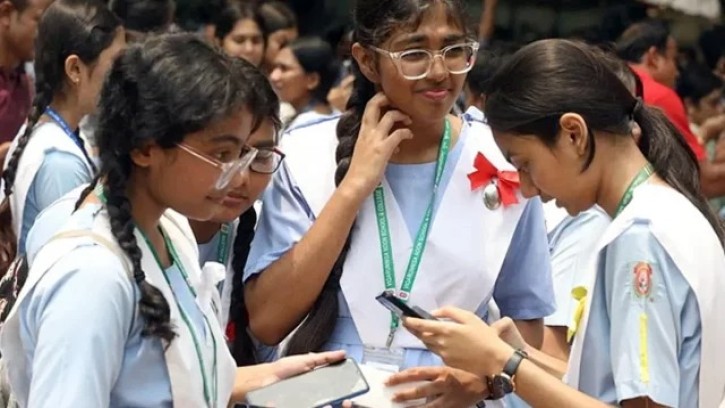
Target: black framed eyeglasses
(267, 160)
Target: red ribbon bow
(508, 181)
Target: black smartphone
(400, 308)
(327, 385)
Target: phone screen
(326, 385)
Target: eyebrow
(226, 138)
(265, 144)
(417, 38)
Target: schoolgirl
(116, 304)
(426, 207)
(77, 42)
(651, 325)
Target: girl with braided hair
(426, 207)
(77, 42)
(115, 303)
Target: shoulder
(305, 123)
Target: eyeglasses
(228, 169)
(416, 64)
(267, 160)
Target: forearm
(541, 390)
(532, 331)
(552, 365)
(280, 297)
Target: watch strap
(512, 365)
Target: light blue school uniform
(572, 242)
(81, 332)
(611, 370)
(59, 173)
(208, 253)
(523, 289)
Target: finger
(422, 326)
(502, 325)
(347, 81)
(374, 109)
(456, 314)
(414, 374)
(433, 389)
(396, 137)
(318, 359)
(390, 119)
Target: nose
(528, 190)
(275, 75)
(438, 71)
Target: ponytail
(673, 159)
(321, 320)
(8, 237)
(243, 348)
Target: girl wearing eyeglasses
(225, 238)
(425, 207)
(115, 310)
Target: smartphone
(400, 308)
(327, 385)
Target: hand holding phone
(328, 385)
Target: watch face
(500, 386)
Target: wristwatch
(503, 384)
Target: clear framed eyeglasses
(228, 169)
(416, 64)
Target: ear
(74, 69)
(6, 10)
(313, 81)
(145, 156)
(366, 62)
(651, 57)
(689, 105)
(574, 134)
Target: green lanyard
(420, 239)
(640, 178)
(210, 397)
(225, 233)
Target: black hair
(697, 81)
(277, 16)
(316, 55)
(546, 79)
(152, 95)
(374, 22)
(487, 62)
(144, 16)
(636, 40)
(19, 5)
(69, 27)
(235, 11)
(243, 349)
(712, 45)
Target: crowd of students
(190, 216)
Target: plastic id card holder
(385, 359)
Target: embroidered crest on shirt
(642, 283)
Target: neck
(322, 109)
(620, 170)
(68, 111)
(423, 147)
(204, 231)
(146, 212)
(8, 60)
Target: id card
(385, 359)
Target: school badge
(499, 186)
(642, 279)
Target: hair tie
(637, 108)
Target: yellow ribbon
(579, 294)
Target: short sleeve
(645, 295)
(285, 219)
(60, 173)
(573, 244)
(76, 322)
(523, 290)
